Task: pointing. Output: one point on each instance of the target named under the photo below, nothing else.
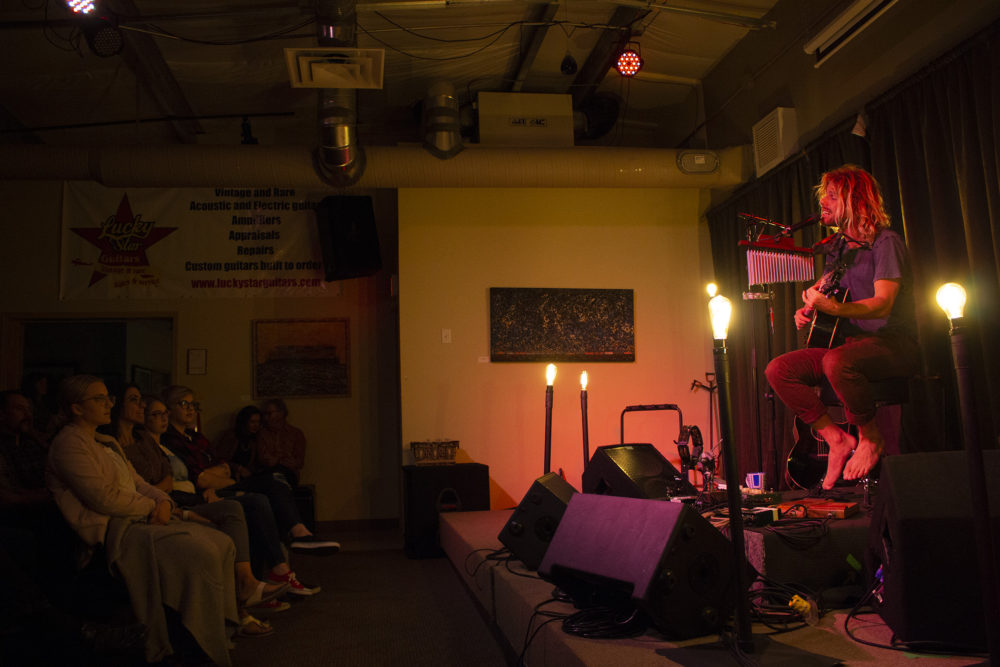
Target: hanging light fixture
(629, 60)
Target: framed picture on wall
(561, 324)
(299, 358)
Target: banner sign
(148, 243)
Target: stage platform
(508, 595)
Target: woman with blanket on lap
(163, 561)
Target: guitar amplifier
(430, 490)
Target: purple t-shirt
(885, 259)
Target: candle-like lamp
(951, 298)
(550, 377)
(712, 289)
(583, 411)
(720, 310)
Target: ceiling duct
(340, 161)
(441, 124)
(844, 27)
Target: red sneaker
(295, 586)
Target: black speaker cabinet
(922, 538)
(348, 237)
(634, 471)
(533, 524)
(432, 489)
(665, 556)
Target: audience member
(265, 544)
(35, 386)
(207, 473)
(281, 447)
(164, 563)
(239, 444)
(127, 419)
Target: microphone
(787, 231)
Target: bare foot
(869, 450)
(841, 445)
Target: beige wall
(456, 244)
(349, 459)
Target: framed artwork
(556, 324)
(197, 361)
(298, 358)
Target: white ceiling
(208, 63)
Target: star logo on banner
(123, 239)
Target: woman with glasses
(163, 562)
(209, 475)
(266, 553)
(127, 425)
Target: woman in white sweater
(162, 560)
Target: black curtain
(932, 144)
(934, 147)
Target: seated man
(870, 261)
(280, 446)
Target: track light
(629, 60)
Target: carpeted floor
(376, 608)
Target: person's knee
(835, 365)
(774, 371)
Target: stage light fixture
(720, 309)
(80, 6)
(951, 298)
(629, 61)
(103, 37)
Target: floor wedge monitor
(922, 547)
(533, 524)
(636, 470)
(665, 557)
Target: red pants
(849, 368)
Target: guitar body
(825, 330)
(806, 464)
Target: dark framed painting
(561, 324)
(300, 358)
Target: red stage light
(629, 62)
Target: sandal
(263, 593)
(254, 627)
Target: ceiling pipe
(339, 160)
(178, 165)
(440, 121)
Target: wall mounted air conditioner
(775, 137)
(845, 27)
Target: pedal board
(819, 508)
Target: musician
(878, 316)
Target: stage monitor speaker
(922, 537)
(634, 471)
(348, 237)
(533, 524)
(663, 556)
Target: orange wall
(457, 243)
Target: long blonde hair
(72, 390)
(864, 210)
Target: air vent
(335, 67)
(774, 139)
